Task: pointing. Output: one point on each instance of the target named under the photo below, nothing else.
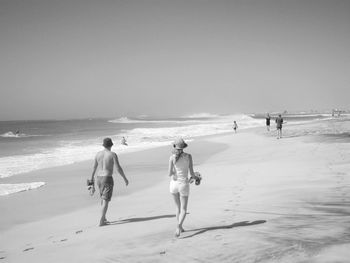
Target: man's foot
(103, 222)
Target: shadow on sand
(139, 219)
(205, 229)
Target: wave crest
(6, 189)
(201, 115)
(10, 134)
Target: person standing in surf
(180, 163)
(268, 118)
(279, 122)
(235, 126)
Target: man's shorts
(105, 185)
(182, 188)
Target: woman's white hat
(179, 143)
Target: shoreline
(69, 183)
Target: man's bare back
(105, 160)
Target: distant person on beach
(268, 118)
(106, 160)
(180, 163)
(279, 122)
(123, 141)
(235, 126)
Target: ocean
(26, 146)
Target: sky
(84, 59)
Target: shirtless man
(106, 160)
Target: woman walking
(180, 163)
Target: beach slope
(261, 200)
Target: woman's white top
(181, 167)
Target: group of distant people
(278, 120)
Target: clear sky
(73, 59)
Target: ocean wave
(6, 189)
(126, 120)
(201, 116)
(10, 134)
(130, 120)
(208, 127)
(68, 153)
(142, 137)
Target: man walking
(106, 160)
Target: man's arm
(94, 169)
(120, 169)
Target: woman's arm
(191, 165)
(171, 167)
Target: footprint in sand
(27, 249)
(62, 240)
(218, 237)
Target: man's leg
(104, 211)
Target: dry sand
(261, 200)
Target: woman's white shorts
(182, 188)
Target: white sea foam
(206, 127)
(64, 155)
(201, 115)
(130, 120)
(6, 189)
(10, 134)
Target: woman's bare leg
(178, 205)
(183, 211)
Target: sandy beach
(261, 200)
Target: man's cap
(107, 142)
